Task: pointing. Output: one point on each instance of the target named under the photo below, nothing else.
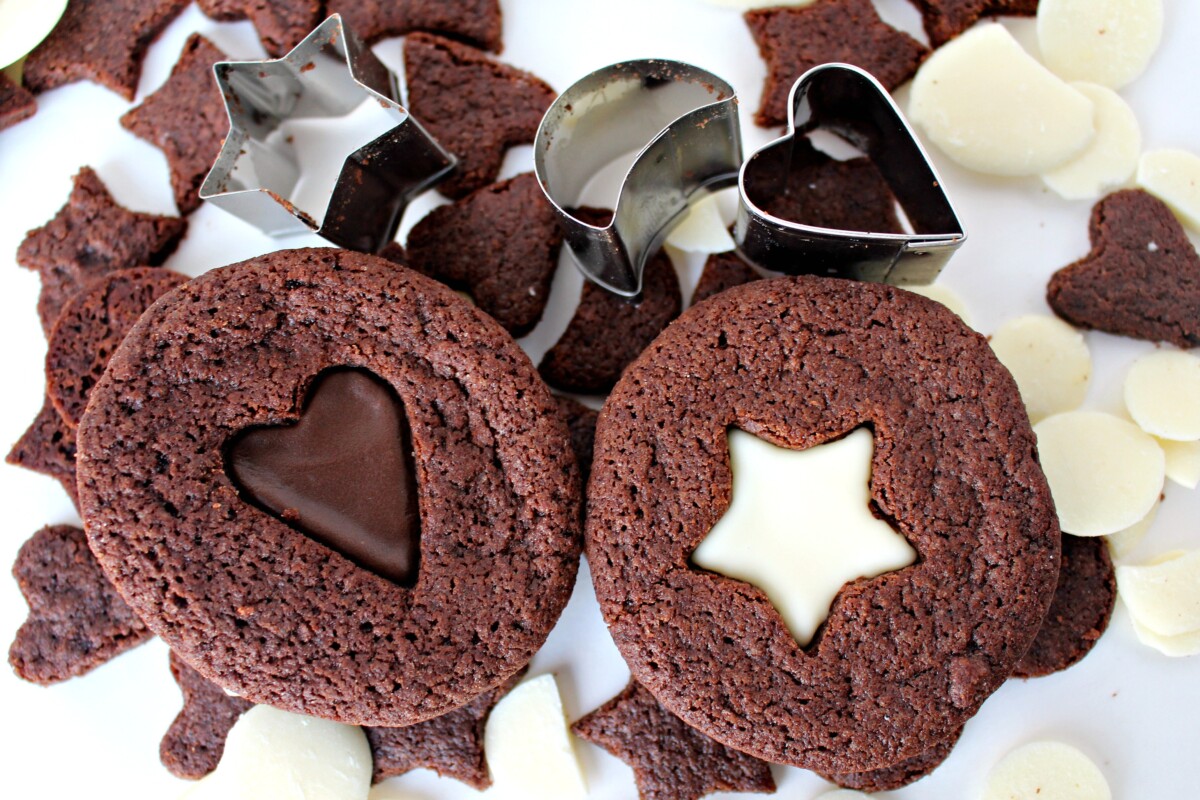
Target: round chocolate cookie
(252, 463)
(903, 659)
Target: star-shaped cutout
(329, 74)
(478, 22)
(280, 23)
(90, 237)
(48, 447)
(670, 760)
(793, 40)
(799, 526)
(77, 621)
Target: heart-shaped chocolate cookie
(850, 103)
(342, 475)
(1141, 279)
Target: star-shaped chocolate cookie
(280, 23)
(77, 621)
(499, 244)
(16, 102)
(102, 41)
(92, 236)
(477, 22)
(185, 118)
(945, 19)
(1141, 279)
(474, 106)
(48, 447)
(670, 760)
(192, 746)
(792, 40)
(451, 745)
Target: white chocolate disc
(1124, 541)
(24, 24)
(992, 107)
(529, 747)
(1049, 360)
(1110, 160)
(776, 532)
(702, 230)
(1164, 595)
(285, 756)
(1046, 771)
(1180, 646)
(1173, 176)
(1109, 42)
(1162, 393)
(1183, 462)
(1105, 473)
(940, 293)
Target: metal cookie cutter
(329, 74)
(683, 123)
(851, 103)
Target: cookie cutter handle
(682, 122)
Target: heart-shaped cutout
(1141, 279)
(343, 474)
(849, 102)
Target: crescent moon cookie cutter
(849, 102)
(682, 122)
(328, 74)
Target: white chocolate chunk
(1046, 771)
(285, 756)
(1110, 160)
(1109, 42)
(529, 747)
(1183, 462)
(1179, 646)
(993, 108)
(1162, 393)
(1173, 176)
(1124, 541)
(1048, 359)
(940, 293)
(799, 526)
(703, 230)
(24, 24)
(1105, 473)
(1164, 595)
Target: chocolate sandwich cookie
(902, 659)
(333, 486)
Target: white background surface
(1135, 712)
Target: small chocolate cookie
(1083, 604)
(90, 237)
(793, 40)
(244, 578)
(185, 118)
(77, 621)
(281, 24)
(722, 271)
(499, 244)
(475, 106)
(477, 22)
(1141, 279)
(102, 41)
(581, 421)
(451, 745)
(16, 102)
(608, 332)
(945, 19)
(48, 447)
(192, 747)
(670, 760)
(904, 658)
(89, 329)
(910, 770)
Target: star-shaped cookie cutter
(328, 74)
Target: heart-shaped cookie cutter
(849, 102)
(328, 74)
(683, 123)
